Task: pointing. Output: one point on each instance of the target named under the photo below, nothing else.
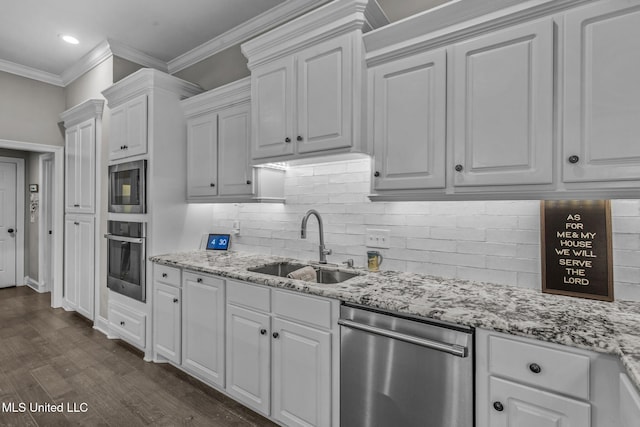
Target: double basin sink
(323, 275)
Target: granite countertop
(607, 327)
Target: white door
(166, 321)
(502, 109)
(8, 193)
(324, 107)
(602, 94)
(46, 275)
(301, 361)
(203, 327)
(248, 358)
(409, 107)
(515, 405)
(236, 175)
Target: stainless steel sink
(282, 269)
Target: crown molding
(333, 19)
(147, 80)
(267, 20)
(30, 73)
(223, 96)
(130, 54)
(93, 58)
(91, 108)
(375, 16)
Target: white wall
(493, 241)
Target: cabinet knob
(498, 406)
(126, 147)
(574, 159)
(212, 185)
(459, 168)
(275, 335)
(122, 323)
(122, 147)
(263, 332)
(248, 181)
(10, 230)
(164, 274)
(76, 206)
(299, 138)
(199, 280)
(175, 300)
(76, 222)
(535, 368)
(287, 139)
(376, 174)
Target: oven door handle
(124, 239)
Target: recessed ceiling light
(69, 39)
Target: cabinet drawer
(311, 310)
(128, 324)
(166, 274)
(539, 365)
(247, 295)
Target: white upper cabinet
(83, 128)
(307, 84)
(502, 112)
(602, 93)
(129, 129)
(409, 122)
(218, 147)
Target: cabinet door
(602, 94)
(629, 403)
(409, 108)
(79, 264)
(272, 106)
(248, 357)
(202, 156)
(71, 156)
(523, 406)
(502, 109)
(236, 175)
(301, 361)
(86, 168)
(129, 129)
(325, 96)
(203, 327)
(166, 321)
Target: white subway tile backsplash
(491, 241)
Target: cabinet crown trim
(91, 108)
(334, 19)
(144, 81)
(452, 23)
(221, 97)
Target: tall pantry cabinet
(83, 124)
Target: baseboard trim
(102, 325)
(34, 284)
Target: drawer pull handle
(263, 331)
(535, 368)
(164, 274)
(122, 323)
(175, 300)
(199, 280)
(276, 335)
(498, 406)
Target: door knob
(10, 230)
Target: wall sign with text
(576, 248)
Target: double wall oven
(126, 244)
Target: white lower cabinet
(629, 403)
(203, 327)
(523, 382)
(79, 263)
(166, 314)
(279, 362)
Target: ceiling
(163, 29)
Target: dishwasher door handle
(456, 350)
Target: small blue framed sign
(218, 242)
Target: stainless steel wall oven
(126, 258)
(127, 187)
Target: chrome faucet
(303, 234)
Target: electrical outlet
(377, 238)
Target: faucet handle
(327, 251)
(349, 262)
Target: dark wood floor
(49, 356)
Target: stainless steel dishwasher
(399, 370)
